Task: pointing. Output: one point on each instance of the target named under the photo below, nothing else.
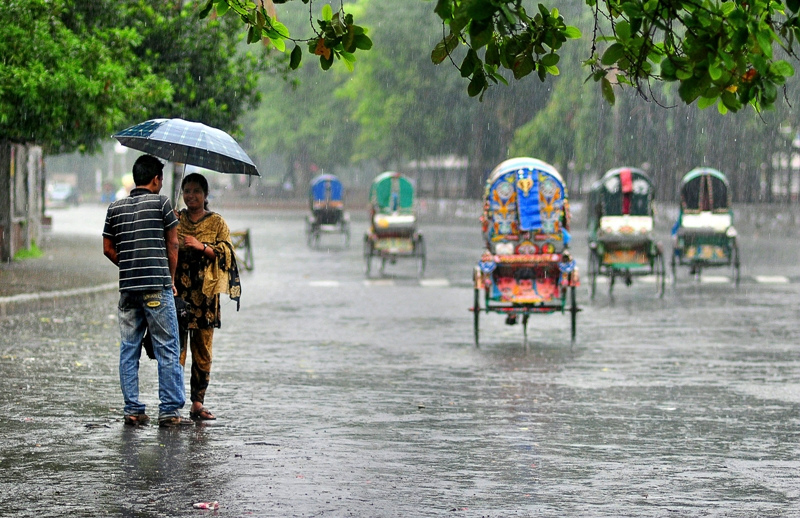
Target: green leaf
(523, 65)
(607, 90)
(793, 5)
(572, 33)
(278, 43)
(326, 63)
(480, 34)
(349, 60)
(478, 9)
(295, 57)
(623, 29)
(770, 94)
(492, 55)
(613, 54)
(689, 90)
(668, 70)
(362, 42)
(206, 10)
(253, 34)
(727, 8)
(782, 68)
(444, 8)
(550, 60)
(469, 63)
(705, 102)
(730, 101)
(444, 48)
(279, 28)
(327, 13)
(477, 85)
(221, 8)
(553, 70)
(764, 38)
(714, 72)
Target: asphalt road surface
(339, 395)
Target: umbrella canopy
(186, 142)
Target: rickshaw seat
(625, 227)
(327, 215)
(707, 221)
(395, 223)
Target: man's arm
(110, 250)
(171, 237)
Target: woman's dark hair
(199, 180)
(146, 168)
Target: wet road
(340, 397)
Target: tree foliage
(730, 53)
(75, 71)
(64, 82)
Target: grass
(28, 253)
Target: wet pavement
(341, 396)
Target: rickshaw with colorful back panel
(703, 235)
(526, 267)
(393, 230)
(326, 199)
(620, 220)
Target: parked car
(61, 195)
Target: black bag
(182, 309)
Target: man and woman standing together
(161, 255)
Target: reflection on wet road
(339, 397)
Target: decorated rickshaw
(703, 235)
(326, 199)
(393, 233)
(526, 267)
(620, 219)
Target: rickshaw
(620, 221)
(393, 223)
(526, 267)
(326, 199)
(703, 235)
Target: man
(140, 236)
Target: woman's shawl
(221, 275)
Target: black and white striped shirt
(136, 225)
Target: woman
(206, 268)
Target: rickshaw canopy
(705, 189)
(526, 195)
(392, 192)
(326, 188)
(622, 191)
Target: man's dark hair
(146, 168)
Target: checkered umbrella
(185, 142)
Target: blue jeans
(156, 312)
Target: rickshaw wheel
(736, 265)
(674, 267)
(420, 252)
(346, 233)
(309, 232)
(660, 270)
(476, 311)
(368, 253)
(525, 317)
(573, 310)
(594, 270)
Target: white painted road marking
(772, 279)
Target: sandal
(136, 419)
(203, 414)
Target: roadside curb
(33, 302)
